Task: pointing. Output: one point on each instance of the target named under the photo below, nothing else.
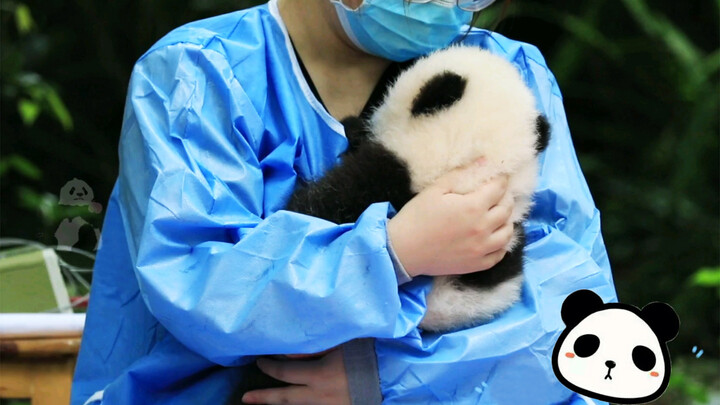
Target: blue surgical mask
(399, 30)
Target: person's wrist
(395, 235)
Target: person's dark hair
(476, 15)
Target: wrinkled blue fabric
(200, 268)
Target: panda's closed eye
(586, 345)
(643, 358)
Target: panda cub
(444, 112)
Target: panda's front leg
(368, 175)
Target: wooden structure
(38, 367)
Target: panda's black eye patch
(586, 345)
(643, 358)
(439, 93)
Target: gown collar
(310, 90)
(307, 91)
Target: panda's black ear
(439, 93)
(542, 127)
(662, 319)
(578, 305)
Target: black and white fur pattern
(444, 112)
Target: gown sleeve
(224, 277)
(508, 360)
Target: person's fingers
(293, 372)
(490, 260)
(498, 217)
(500, 238)
(489, 194)
(318, 382)
(294, 394)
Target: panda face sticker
(614, 352)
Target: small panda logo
(614, 352)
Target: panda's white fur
(498, 108)
(495, 119)
(451, 306)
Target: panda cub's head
(458, 105)
(614, 352)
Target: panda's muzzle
(610, 365)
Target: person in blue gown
(200, 270)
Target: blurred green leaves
(47, 205)
(680, 381)
(33, 97)
(641, 83)
(33, 94)
(707, 277)
(23, 18)
(40, 96)
(29, 111)
(696, 67)
(21, 165)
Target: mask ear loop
(474, 19)
(476, 16)
(406, 9)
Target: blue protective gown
(199, 267)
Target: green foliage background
(641, 89)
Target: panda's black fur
(368, 173)
(374, 170)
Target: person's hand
(440, 232)
(317, 382)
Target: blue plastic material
(200, 268)
(399, 30)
